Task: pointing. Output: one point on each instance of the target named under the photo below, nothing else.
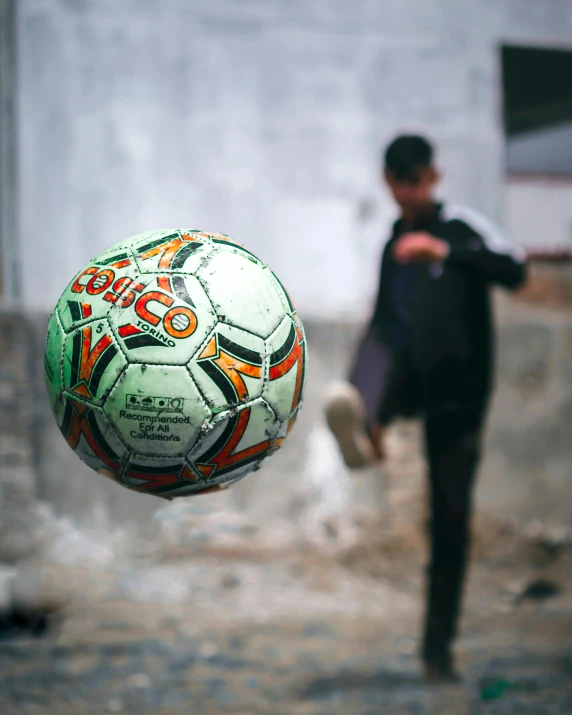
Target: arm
(484, 251)
(480, 245)
(506, 269)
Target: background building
(265, 120)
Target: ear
(436, 174)
(387, 175)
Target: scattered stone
(540, 590)
(230, 581)
(493, 688)
(138, 681)
(14, 624)
(554, 541)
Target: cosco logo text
(178, 322)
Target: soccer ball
(175, 362)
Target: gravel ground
(312, 618)
(316, 631)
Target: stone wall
(21, 398)
(529, 449)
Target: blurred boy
(428, 353)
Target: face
(414, 193)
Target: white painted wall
(260, 119)
(539, 212)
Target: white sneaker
(345, 415)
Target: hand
(420, 246)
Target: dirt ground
(240, 620)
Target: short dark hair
(405, 154)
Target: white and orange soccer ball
(175, 362)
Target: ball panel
(92, 362)
(286, 350)
(236, 442)
(157, 409)
(241, 292)
(223, 243)
(162, 477)
(166, 323)
(87, 431)
(282, 292)
(53, 375)
(174, 252)
(118, 255)
(229, 367)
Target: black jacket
(449, 352)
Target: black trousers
(452, 445)
(390, 388)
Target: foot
(439, 667)
(438, 674)
(345, 414)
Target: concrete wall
(528, 457)
(33, 455)
(528, 464)
(262, 119)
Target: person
(427, 353)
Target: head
(410, 173)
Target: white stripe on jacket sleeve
(494, 237)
